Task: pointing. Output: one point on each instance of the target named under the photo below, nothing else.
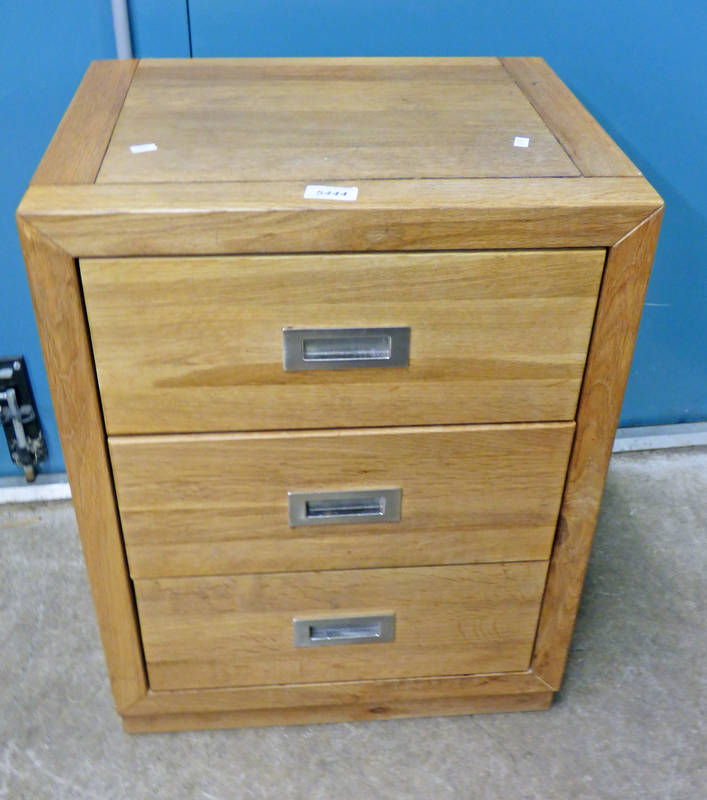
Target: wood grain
(56, 294)
(269, 217)
(371, 693)
(75, 153)
(590, 147)
(324, 121)
(483, 615)
(259, 705)
(623, 289)
(495, 337)
(533, 701)
(199, 505)
(237, 630)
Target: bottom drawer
(239, 630)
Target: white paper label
(521, 141)
(143, 148)
(313, 192)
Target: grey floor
(628, 723)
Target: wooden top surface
(429, 143)
(327, 120)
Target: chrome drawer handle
(316, 632)
(332, 508)
(345, 348)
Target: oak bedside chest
(337, 349)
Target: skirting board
(660, 437)
(54, 486)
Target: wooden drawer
(238, 630)
(196, 344)
(218, 504)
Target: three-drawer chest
(337, 349)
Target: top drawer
(196, 344)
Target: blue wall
(160, 28)
(638, 65)
(46, 47)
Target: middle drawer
(214, 504)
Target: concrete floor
(628, 723)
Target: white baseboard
(660, 437)
(55, 486)
(49, 486)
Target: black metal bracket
(19, 417)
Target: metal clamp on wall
(19, 418)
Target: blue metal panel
(638, 65)
(647, 90)
(159, 28)
(46, 49)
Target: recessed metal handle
(315, 632)
(332, 508)
(345, 348)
